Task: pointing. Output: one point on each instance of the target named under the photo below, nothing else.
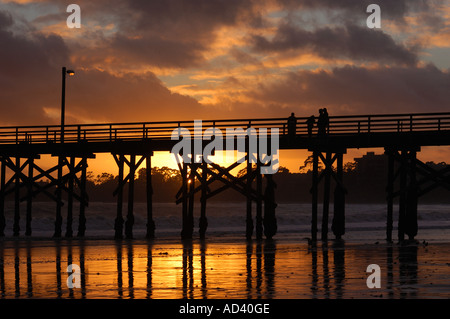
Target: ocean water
(225, 265)
(364, 223)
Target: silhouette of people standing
(310, 123)
(292, 127)
(322, 123)
(326, 120)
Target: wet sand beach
(222, 268)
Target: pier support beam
(315, 197)
(326, 196)
(68, 160)
(118, 223)
(130, 214)
(191, 201)
(270, 221)
(402, 200)
(259, 202)
(69, 231)
(390, 196)
(2, 196)
(203, 223)
(133, 165)
(29, 183)
(249, 218)
(16, 226)
(59, 203)
(149, 188)
(409, 190)
(207, 173)
(83, 201)
(411, 225)
(184, 208)
(338, 224)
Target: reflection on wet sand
(188, 270)
(339, 267)
(2, 273)
(130, 270)
(149, 270)
(338, 248)
(191, 269)
(408, 271)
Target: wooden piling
(58, 219)
(326, 197)
(249, 218)
(149, 189)
(2, 196)
(411, 198)
(270, 205)
(259, 201)
(338, 223)
(118, 224)
(203, 224)
(16, 226)
(83, 195)
(184, 208)
(315, 197)
(69, 231)
(130, 215)
(390, 197)
(190, 216)
(29, 183)
(402, 199)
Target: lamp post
(58, 221)
(63, 98)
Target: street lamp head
(71, 72)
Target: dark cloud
(390, 9)
(28, 71)
(158, 51)
(352, 42)
(357, 90)
(5, 20)
(192, 16)
(30, 78)
(178, 33)
(168, 33)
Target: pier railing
(109, 132)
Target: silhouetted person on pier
(292, 127)
(270, 221)
(326, 119)
(322, 123)
(310, 123)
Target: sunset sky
(139, 60)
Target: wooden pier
(133, 144)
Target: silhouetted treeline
(365, 183)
